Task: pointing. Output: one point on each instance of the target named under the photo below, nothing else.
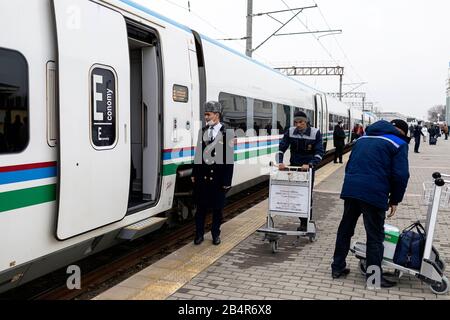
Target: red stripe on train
(28, 166)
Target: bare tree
(435, 111)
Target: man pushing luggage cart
(291, 187)
(306, 147)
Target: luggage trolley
(436, 194)
(290, 192)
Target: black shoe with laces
(338, 274)
(385, 283)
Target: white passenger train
(99, 114)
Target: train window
(14, 124)
(346, 123)
(283, 118)
(334, 120)
(234, 111)
(262, 117)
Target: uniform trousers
(209, 196)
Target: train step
(141, 228)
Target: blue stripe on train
(27, 175)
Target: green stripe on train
(12, 200)
(171, 169)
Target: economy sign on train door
(94, 116)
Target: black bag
(433, 141)
(410, 247)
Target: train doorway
(145, 89)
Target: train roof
(206, 38)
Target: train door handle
(145, 126)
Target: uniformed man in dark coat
(213, 171)
(339, 141)
(306, 145)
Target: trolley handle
(438, 175)
(292, 168)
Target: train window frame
(26, 73)
(287, 112)
(262, 131)
(245, 109)
(91, 107)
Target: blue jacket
(378, 170)
(306, 148)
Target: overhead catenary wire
(307, 28)
(339, 45)
(226, 35)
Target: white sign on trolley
(289, 199)
(289, 192)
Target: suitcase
(433, 141)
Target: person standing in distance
(213, 171)
(376, 178)
(339, 141)
(417, 135)
(306, 145)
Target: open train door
(94, 85)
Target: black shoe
(385, 283)
(338, 274)
(198, 240)
(216, 241)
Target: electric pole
(249, 50)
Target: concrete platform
(243, 266)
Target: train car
(99, 115)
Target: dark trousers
(446, 136)
(338, 153)
(374, 224)
(417, 145)
(209, 197)
(304, 221)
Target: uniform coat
(306, 148)
(339, 142)
(213, 170)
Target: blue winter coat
(378, 170)
(306, 147)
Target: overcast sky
(401, 48)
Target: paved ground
(251, 271)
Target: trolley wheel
(398, 274)
(441, 288)
(362, 267)
(274, 245)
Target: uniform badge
(310, 147)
